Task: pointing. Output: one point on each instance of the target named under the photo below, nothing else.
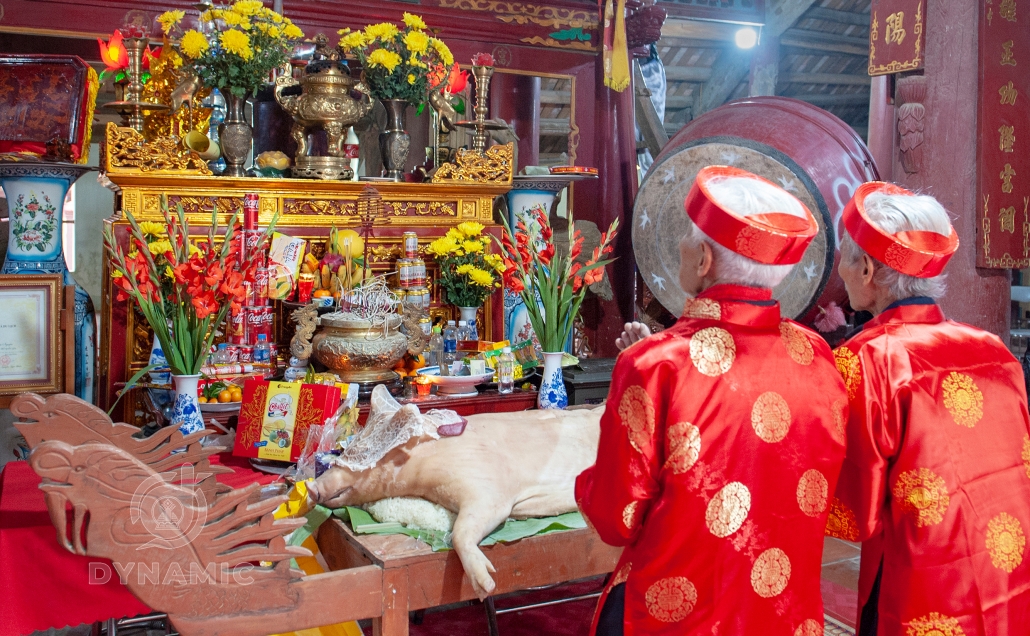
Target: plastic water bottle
(222, 355)
(435, 347)
(450, 348)
(506, 371)
(463, 331)
(262, 352)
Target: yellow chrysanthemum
(416, 41)
(193, 44)
(169, 272)
(274, 31)
(387, 59)
(414, 61)
(238, 43)
(231, 18)
(495, 261)
(210, 15)
(472, 247)
(293, 32)
(413, 21)
(158, 248)
(248, 7)
(168, 19)
(464, 269)
(470, 229)
(411, 78)
(151, 228)
(455, 235)
(351, 41)
(275, 17)
(442, 246)
(481, 277)
(384, 31)
(441, 49)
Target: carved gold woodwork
(496, 165)
(125, 150)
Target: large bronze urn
(325, 103)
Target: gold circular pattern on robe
(923, 494)
(813, 491)
(963, 399)
(841, 522)
(671, 600)
(770, 417)
(629, 514)
(728, 509)
(684, 442)
(712, 351)
(621, 576)
(798, 346)
(810, 627)
(849, 368)
(770, 573)
(1005, 542)
(703, 308)
(636, 410)
(934, 624)
(1026, 455)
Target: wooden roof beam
(834, 15)
(824, 78)
(687, 74)
(826, 42)
(732, 68)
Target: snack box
(275, 417)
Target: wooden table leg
(395, 605)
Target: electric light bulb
(746, 38)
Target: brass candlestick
(482, 75)
(132, 106)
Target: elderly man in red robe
(722, 438)
(936, 481)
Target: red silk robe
(719, 450)
(937, 475)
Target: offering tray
(455, 385)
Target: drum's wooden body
(807, 150)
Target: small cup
(201, 144)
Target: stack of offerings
(255, 323)
(411, 275)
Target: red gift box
(275, 417)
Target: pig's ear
(382, 403)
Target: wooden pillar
(949, 160)
(516, 98)
(882, 130)
(765, 66)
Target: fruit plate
(220, 407)
(455, 385)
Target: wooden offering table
(415, 577)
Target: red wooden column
(948, 167)
(516, 98)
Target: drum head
(659, 219)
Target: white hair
(745, 197)
(895, 213)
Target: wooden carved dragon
(218, 566)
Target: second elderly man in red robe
(723, 437)
(937, 476)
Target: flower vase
(552, 387)
(35, 193)
(468, 314)
(186, 410)
(394, 142)
(235, 136)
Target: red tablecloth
(42, 585)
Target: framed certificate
(31, 335)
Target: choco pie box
(275, 417)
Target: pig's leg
(476, 519)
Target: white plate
(220, 407)
(269, 466)
(456, 385)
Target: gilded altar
(302, 208)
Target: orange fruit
(225, 396)
(202, 399)
(237, 395)
(320, 293)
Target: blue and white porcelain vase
(35, 194)
(186, 410)
(468, 314)
(552, 387)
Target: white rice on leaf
(413, 512)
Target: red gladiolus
(113, 52)
(204, 304)
(545, 255)
(577, 245)
(593, 276)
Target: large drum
(810, 152)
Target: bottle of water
(506, 371)
(463, 331)
(434, 349)
(450, 348)
(262, 352)
(222, 355)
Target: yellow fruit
(237, 396)
(320, 293)
(326, 277)
(349, 243)
(225, 396)
(417, 362)
(202, 399)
